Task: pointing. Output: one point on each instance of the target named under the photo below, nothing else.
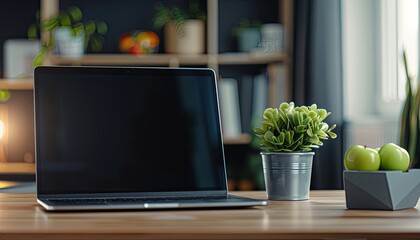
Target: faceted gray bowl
(382, 190)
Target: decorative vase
(186, 37)
(287, 175)
(67, 44)
(272, 38)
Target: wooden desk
(324, 216)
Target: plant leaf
(332, 135)
(75, 13)
(268, 136)
(309, 132)
(267, 123)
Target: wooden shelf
(246, 58)
(243, 139)
(17, 84)
(173, 60)
(128, 59)
(17, 168)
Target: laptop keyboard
(100, 201)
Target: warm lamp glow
(2, 129)
(4, 124)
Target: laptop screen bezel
(86, 70)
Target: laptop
(129, 138)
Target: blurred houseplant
(247, 34)
(410, 119)
(287, 136)
(67, 28)
(184, 30)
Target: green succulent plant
(293, 129)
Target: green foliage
(72, 18)
(244, 24)
(293, 129)
(165, 14)
(410, 119)
(4, 95)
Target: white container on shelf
(67, 44)
(272, 38)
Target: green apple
(362, 158)
(394, 157)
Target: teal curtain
(317, 78)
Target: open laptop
(129, 138)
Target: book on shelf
(245, 97)
(229, 107)
(259, 96)
(243, 101)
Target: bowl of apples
(380, 178)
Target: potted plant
(68, 35)
(410, 119)
(287, 136)
(247, 34)
(183, 30)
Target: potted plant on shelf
(184, 30)
(247, 34)
(68, 35)
(287, 136)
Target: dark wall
(15, 18)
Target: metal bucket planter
(287, 175)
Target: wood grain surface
(324, 216)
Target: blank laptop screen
(120, 130)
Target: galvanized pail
(287, 175)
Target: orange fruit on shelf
(148, 40)
(137, 49)
(138, 42)
(151, 37)
(126, 42)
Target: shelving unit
(213, 58)
(16, 168)
(219, 55)
(172, 60)
(17, 84)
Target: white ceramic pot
(272, 38)
(67, 44)
(185, 38)
(248, 39)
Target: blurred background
(343, 55)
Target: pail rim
(287, 153)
